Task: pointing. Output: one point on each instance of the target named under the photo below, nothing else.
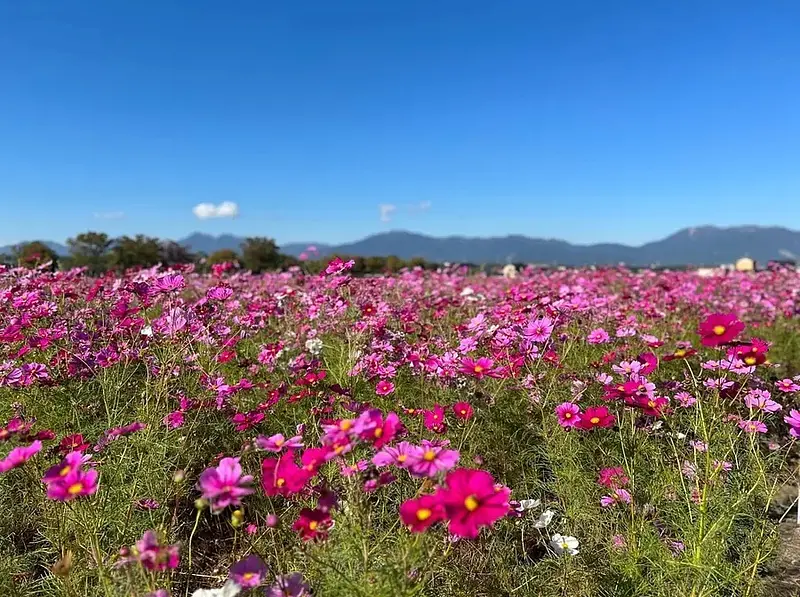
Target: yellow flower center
(378, 431)
(64, 471)
(429, 455)
(594, 420)
(279, 443)
(75, 488)
(248, 575)
(750, 360)
(681, 352)
(478, 369)
(401, 457)
(313, 525)
(280, 482)
(719, 330)
(471, 503)
(345, 425)
(423, 514)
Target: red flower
(463, 410)
(595, 417)
(312, 524)
(418, 514)
(719, 329)
(471, 500)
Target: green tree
(34, 254)
(90, 250)
(139, 251)
(172, 253)
(260, 254)
(222, 256)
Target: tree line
(99, 253)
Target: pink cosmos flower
(420, 513)
(402, 455)
(249, 572)
(598, 336)
(289, 585)
(787, 385)
(538, 330)
(224, 485)
(760, 400)
(434, 419)
(463, 410)
(471, 500)
(19, 456)
(619, 496)
(793, 420)
(71, 463)
(429, 459)
(483, 367)
(281, 476)
(168, 283)
(277, 442)
(155, 556)
(383, 430)
(752, 426)
(77, 483)
(685, 399)
(719, 328)
(569, 414)
(174, 420)
(384, 388)
(612, 478)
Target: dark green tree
(260, 254)
(139, 251)
(90, 250)
(222, 256)
(34, 254)
(173, 253)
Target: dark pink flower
(472, 500)
(224, 485)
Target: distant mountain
(706, 245)
(57, 247)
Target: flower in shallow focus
(793, 420)
(384, 388)
(598, 336)
(719, 328)
(19, 456)
(472, 500)
(277, 442)
(619, 496)
(564, 544)
(289, 585)
(612, 478)
(420, 513)
(67, 480)
(249, 572)
(480, 368)
(313, 524)
(225, 484)
(281, 476)
(154, 555)
(753, 426)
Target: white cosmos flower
(545, 518)
(564, 544)
(146, 331)
(314, 346)
(529, 504)
(229, 589)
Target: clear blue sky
(585, 120)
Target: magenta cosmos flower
(276, 443)
(472, 500)
(595, 417)
(719, 328)
(384, 388)
(224, 485)
(598, 336)
(77, 483)
(19, 456)
(569, 415)
(402, 455)
(420, 513)
(153, 555)
(479, 369)
(289, 585)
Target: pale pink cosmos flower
(598, 336)
(568, 414)
(753, 426)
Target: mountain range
(705, 245)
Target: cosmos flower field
(577, 432)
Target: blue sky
(584, 120)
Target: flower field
(577, 432)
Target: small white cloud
(386, 210)
(226, 209)
(109, 215)
(424, 205)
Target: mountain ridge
(698, 245)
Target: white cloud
(226, 209)
(423, 206)
(109, 215)
(386, 210)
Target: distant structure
(745, 264)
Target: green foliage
(90, 250)
(34, 254)
(260, 254)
